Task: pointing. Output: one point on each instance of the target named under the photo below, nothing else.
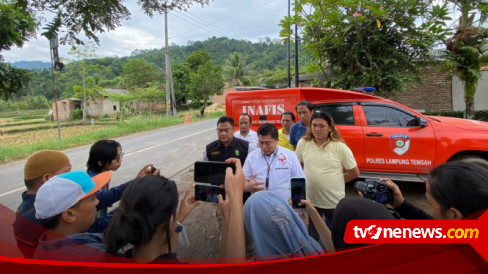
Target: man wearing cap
(66, 205)
(39, 168)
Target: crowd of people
(67, 212)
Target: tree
(467, 49)
(17, 26)
(236, 72)
(139, 73)
(197, 58)
(181, 77)
(206, 81)
(379, 43)
(83, 69)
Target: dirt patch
(203, 225)
(215, 107)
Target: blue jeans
(327, 213)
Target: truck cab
(387, 139)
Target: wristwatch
(179, 227)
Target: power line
(223, 19)
(200, 25)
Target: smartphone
(153, 168)
(297, 191)
(208, 193)
(211, 172)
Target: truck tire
(473, 159)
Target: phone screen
(208, 193)
(211, 172)
(297, 192)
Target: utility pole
(84, 95)
(170, 102)
(296, 51)
(289, 56)
(55, 65)
(167, 61)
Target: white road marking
(165, 143)
(13, 191)
(128, 154)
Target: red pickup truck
(388, 139)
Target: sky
(239, 19)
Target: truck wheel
(473, 159)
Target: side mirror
(421, 121)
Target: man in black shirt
(226, 146)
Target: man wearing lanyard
(270, 167)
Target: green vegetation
(467, 49)
(481, 115)
(376, 43)
(24, 143)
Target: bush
(21, 105)
(104, 118)
(36, 102)
(481, 115)
(77, 114)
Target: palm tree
(236, 71)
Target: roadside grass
(22, 144)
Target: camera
(375, 190)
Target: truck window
(341, 113)
(386, 116)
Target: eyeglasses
(119, 157)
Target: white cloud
(249, 20)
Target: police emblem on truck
(400, 143)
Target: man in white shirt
(246, 133)
(270, 167)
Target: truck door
(394, 142)
(344, 115)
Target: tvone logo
(264, 109)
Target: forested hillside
(261, 63)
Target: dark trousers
(328, 213)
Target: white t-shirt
(252, 138)
(283, 165)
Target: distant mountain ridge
(31, 64)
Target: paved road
(171, 149)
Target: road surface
(172, 149)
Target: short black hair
(306, 103)
(51, 222)
(268, 129)
(225, 119)
(104, 152)
(462, 185)
(288, 113)
(246, 114)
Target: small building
(66, 107)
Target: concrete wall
(481, 96)
(102, 106)
(65, 108)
